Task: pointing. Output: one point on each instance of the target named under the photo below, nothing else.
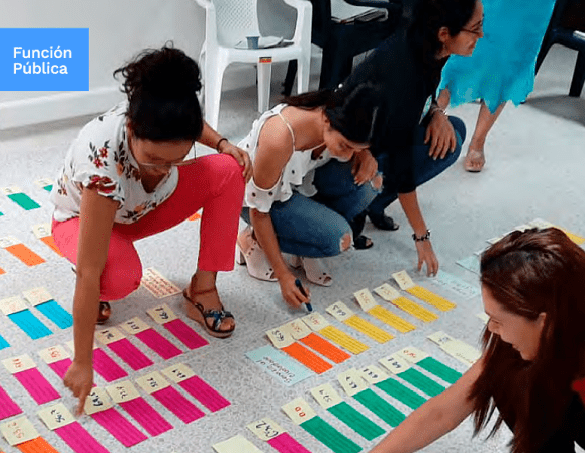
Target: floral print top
(99, 158)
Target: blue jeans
(425, 168)
(314, 227)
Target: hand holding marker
(300, 286)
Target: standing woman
(312, 175)
(413, 146)
(533, 365)
(125, 178)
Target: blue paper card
(52, 310)
(456, 284)
(471, 263)
(279, 365)
(30, 324)
(3, 343)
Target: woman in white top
(312, 174)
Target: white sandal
(315, 269)
(248, 252)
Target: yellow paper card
(12, 305)
(134, 326)
(412, 354)
(369, 329)
(37, 296)
(316, 321)
(152, 382)
(123, 391)
(403, 280)
(352, 381)
(42, 230)
(440, 338)
(178, 372)
(280, 338)
(435, 300)
(365, 299)
(53, 354)
(344, 340)
(18, 364)
(298, 329)
(339, 311)
(18, 431)
(158, 285)
(299, 411)
(387, 292)
(97, 401)
(414, 309)
(237, 444)
(266, 429)
(374, 374)
(391, 319)
(56, 416)
(8, 241)
(162, 314)
(10, 190)
(107, 336)
(326, 396)
(43, 182)
(395, 363)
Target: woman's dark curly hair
(161, 86)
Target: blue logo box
(44, 59)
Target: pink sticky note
(284, 443)
(158, 343)
(204, 393)
(130, 354)
(184, 409)
(106, 367)
(185, 334)
(146, 416)
(8, 408)
(37, 385)
(79, 439)
(60, 367)
(119, 427)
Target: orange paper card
(48, 240)
(38, 445)
(24, 254)
(307, 358)
(325, 348)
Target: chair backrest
(235, 19)
(573, 15)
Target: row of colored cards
(100, 405)
(404, 364)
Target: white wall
(118, 29)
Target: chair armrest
(388, 4)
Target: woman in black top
(410, 151)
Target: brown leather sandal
(199, 313)
(104, 313)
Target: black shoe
(362, 243)
(383, 221)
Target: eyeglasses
(168, 164)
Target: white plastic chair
(229, 22)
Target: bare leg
(475, 159)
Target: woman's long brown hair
(537, 271)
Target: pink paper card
(79, 439)
(184, 409)
(115, 423)
(60, 367)
(204, 393)
(37, 385)
(158, 343)
(146, 416)
(284, 443)
(185, 334)
(106, 367)
(8, 408)
(130, 354)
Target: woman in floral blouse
(125, 178)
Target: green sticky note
(420, 381)
(439, 369)
(356, 421)
(326, 434)
(380, 407)
(48, 188)
(24, 201)
(402, 393)
(1, 213)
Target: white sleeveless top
(297, 175)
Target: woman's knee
(118, 281)
(459, 127)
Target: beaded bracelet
(219, 143)
(422, 238)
